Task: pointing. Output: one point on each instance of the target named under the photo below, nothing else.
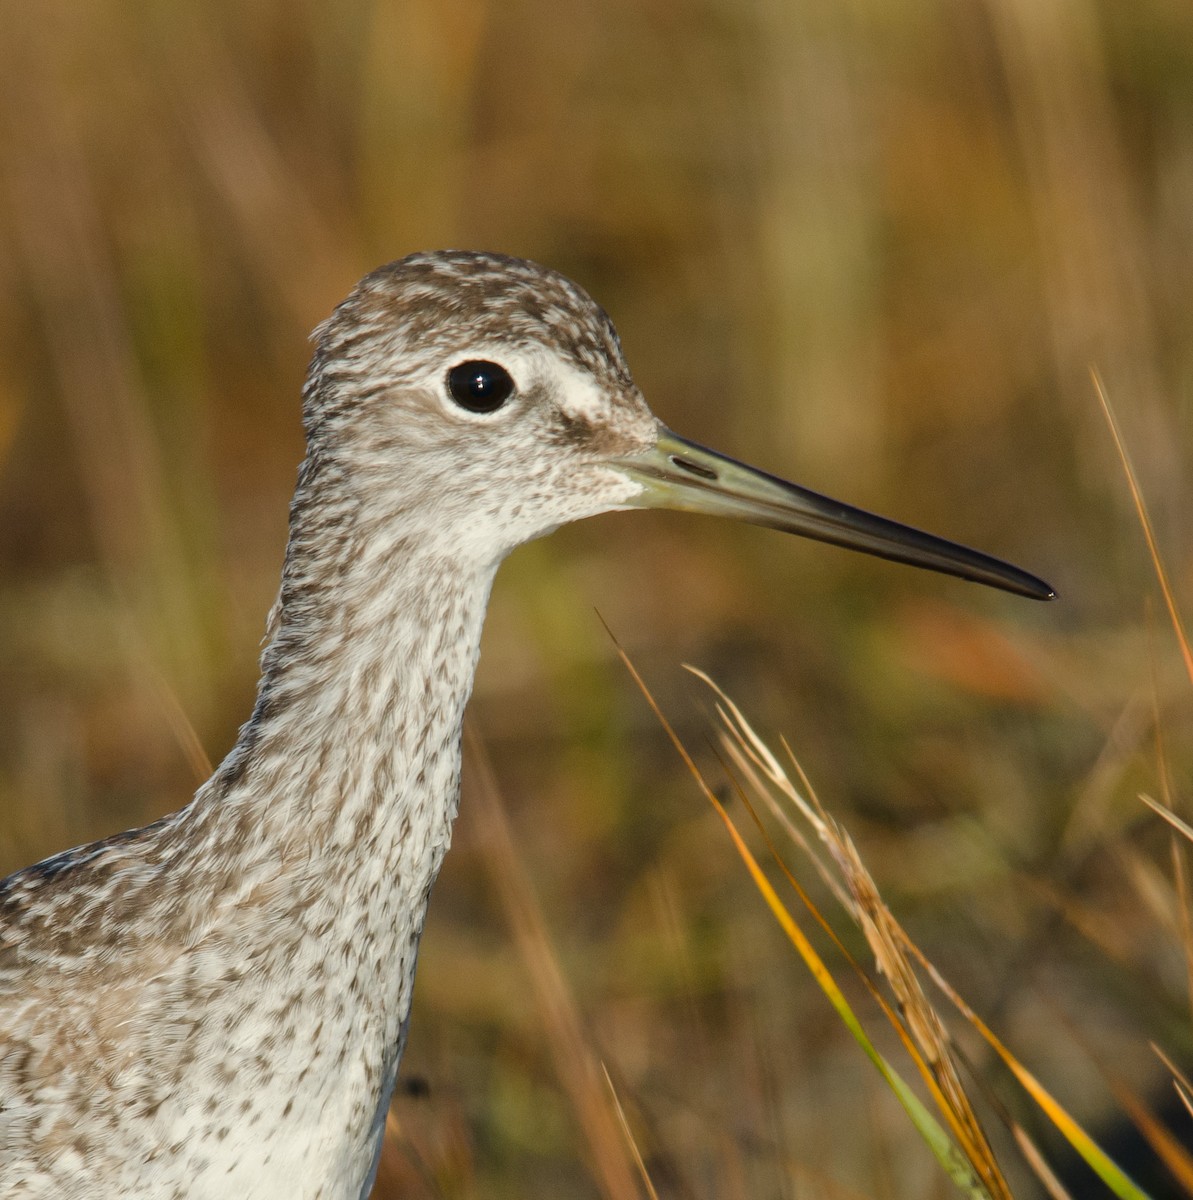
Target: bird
(216, 1004)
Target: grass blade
(1145, 522)
(942, 1146)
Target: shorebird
(215, 1005)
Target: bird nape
(216, 1005)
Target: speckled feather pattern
(216, 1005)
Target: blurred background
(872, 247)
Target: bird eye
(480, 386)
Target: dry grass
(873, 247)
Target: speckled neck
(331, 816)
(353, 747)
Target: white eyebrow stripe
(579, 396)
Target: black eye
(480, 386)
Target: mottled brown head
(478, 394)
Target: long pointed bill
(680, 474)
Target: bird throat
(333, 813)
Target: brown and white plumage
(215, 1005)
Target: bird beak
(680, 474)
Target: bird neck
(352, 753)
(306, 861)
